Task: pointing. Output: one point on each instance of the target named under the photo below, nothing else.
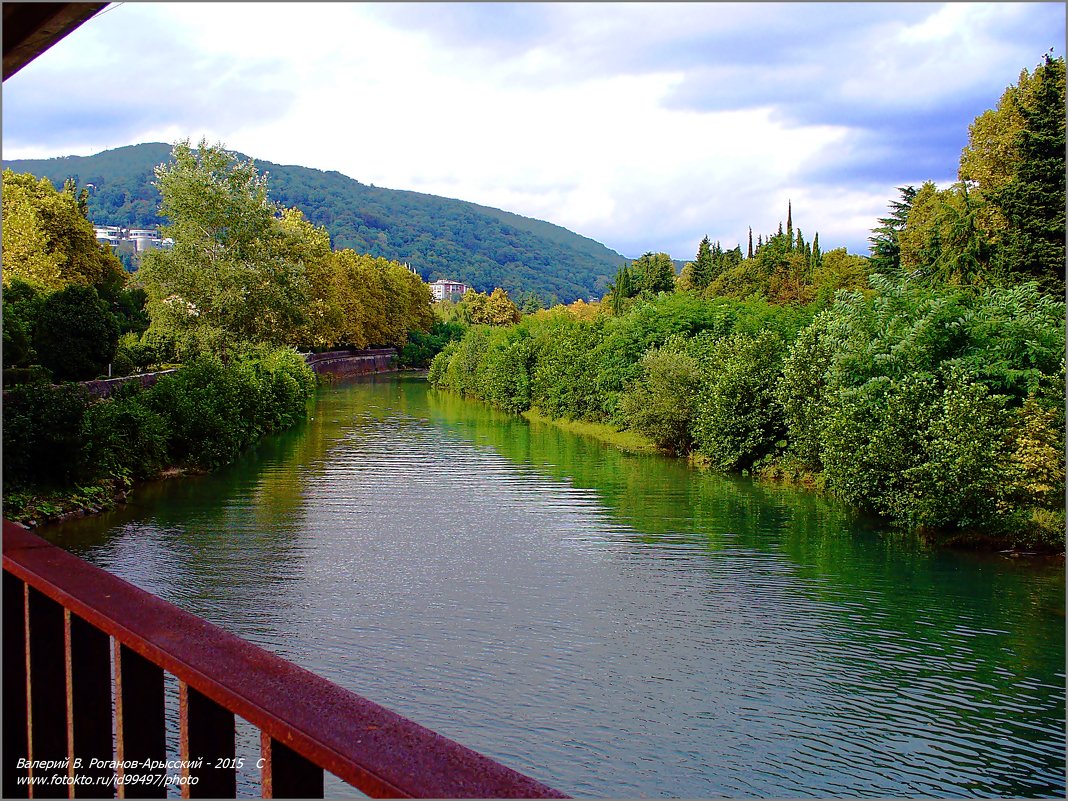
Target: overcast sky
(643, 126)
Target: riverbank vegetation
(63, 450)
(925, 384)
(244, 285)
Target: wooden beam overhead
(32, 28)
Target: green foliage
(43, 434)
(1037, 457)
(739, 420)
(920, 450)
(48, 243)
(423, 347)
(21, 308)
(1004, 222)
(885, 248)
(225, 279)
(503, 376)
(837, 270)
(1033, 200)
(566, 368)
(653, 273)
(125, 438)
(201, 416)
(478, 308)
(76, 335)
(802, 391)
(216, 410)
(703, 267)
(240, 273)
(661, 403)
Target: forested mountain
(440, 237)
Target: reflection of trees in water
(940, 625)
(975, 617)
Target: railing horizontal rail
(377, 751)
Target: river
(611, 624)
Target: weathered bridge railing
(80, 644)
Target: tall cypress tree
(750, 255)
(817, 257)
(789, 223)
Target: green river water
(612, 624)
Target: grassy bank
(627, 441)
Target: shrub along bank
(938, 408)
(63, 450)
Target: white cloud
(604, 119)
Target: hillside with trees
(440, 237)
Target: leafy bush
(216, 410)
(662, 402)
(42, 434)
(802, 391)
(503, 377)
(963, 476)
(739, 420)
(421, 347)
(564, 377)
(124, 438)
(21, 309)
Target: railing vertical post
(139, 722)
(286, 774)
(206, 735)
(88, 662)
(14, 665)
(46, 680)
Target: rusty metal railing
(68, 624)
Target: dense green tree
(1033, 200)
(224, 280)
(621, 289)
(703, 267)
(21, 310)
(738, 419)
(653, 272)
(499, 309)
(662, 402)
(48, 243)
(76, 335)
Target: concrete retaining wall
(339, 363)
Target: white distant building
(453, 290)
(138, 239)
(112, 234)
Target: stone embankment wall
(341, 363)
(338, 363)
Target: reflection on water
(611, 624)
